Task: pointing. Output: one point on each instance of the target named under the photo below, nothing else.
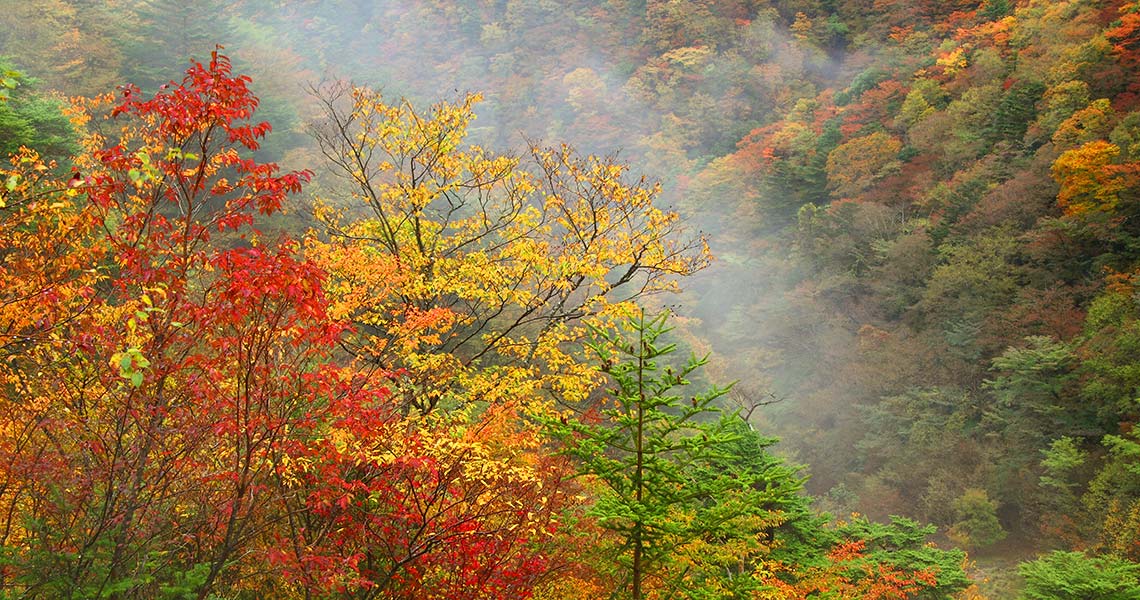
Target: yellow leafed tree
(472, 273)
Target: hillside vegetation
(439, 352)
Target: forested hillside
(393, 299)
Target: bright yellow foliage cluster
(45, 269)
(1080, 172)
(473, 274)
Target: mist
(923, 214)
(673, 89)
(608, 82)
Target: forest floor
(995, 568)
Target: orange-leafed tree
(47, 253)
(1092, 180)
(48, 248)
(856, 165)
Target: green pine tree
(676, 491)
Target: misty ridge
(920, 281)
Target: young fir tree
(671, 491)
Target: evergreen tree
(687, 507)
(29, 119)
(1076, 576)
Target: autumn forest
(591, 299)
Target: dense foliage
(925, 219)
(181, 417)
